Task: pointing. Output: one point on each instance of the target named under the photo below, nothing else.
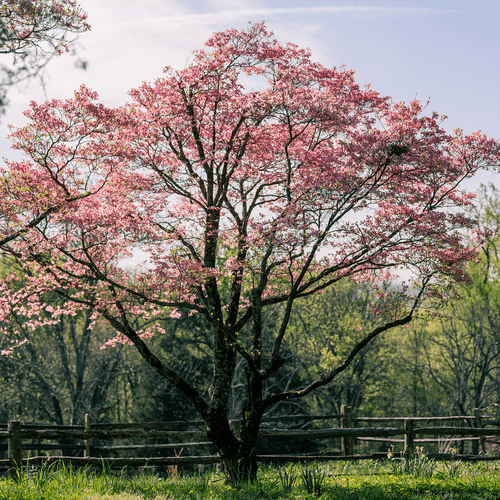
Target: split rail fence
(184, 435)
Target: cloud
(336, 11)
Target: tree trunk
(237, 453)
(247, 463)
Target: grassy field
(387, 480)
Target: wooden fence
(185, 435)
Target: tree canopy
(242, 199)
(31, 32)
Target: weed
(415, 464)
(238, 477)
(202, 480)
(40, 475)
(397, 465)
(312, 478)
(446, 445)
(286, 477)
(419, 465)
(454, 467)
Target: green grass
(369, 480)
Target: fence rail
(16, 433)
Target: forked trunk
(237, 452)
(242, 467)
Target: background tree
(60, 372)
(448, 365)
(243, 200)
(323, 329)
(31, 33)
(463, 344)
(186, 345)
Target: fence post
(86, 452)
(15, 448)
(346, 423)
(482, 439)
(409, 437)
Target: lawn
(368, 480)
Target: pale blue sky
(445, 50)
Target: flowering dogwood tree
(32, 31)
(241, 200)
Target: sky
(445, 50)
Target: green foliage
(323, 329)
